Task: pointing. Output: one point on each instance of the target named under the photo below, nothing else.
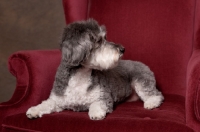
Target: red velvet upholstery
(125, 118)
(164, 34)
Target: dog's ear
(73, 53)
(74, 46)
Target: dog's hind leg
(46, 107)
(147, 91)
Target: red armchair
(164, 34)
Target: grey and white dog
(92, 77)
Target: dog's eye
(100, 40)
(92, 38)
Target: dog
(92, 77)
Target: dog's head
(84, 43)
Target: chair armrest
(34, 72)
(193, 92)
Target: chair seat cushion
(126, 117)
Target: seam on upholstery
(27, 88)
(196, 108)
(64, 10)
(88, 8)
(182, 119)
(197, 91)
(193, 35)
(18, 128)
(16, 56)
(150, 118)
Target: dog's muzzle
(119, 47)
(122, 49)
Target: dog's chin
(101, 66)
(103, 59)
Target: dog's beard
(103, 58)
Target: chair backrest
(159, 33)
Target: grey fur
(73, 53)
(84, 47)
(115, 83)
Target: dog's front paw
(96, 112)
(97, 115)
(149, 105)
(153, 102)
(33, 112)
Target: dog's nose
(122, 49)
